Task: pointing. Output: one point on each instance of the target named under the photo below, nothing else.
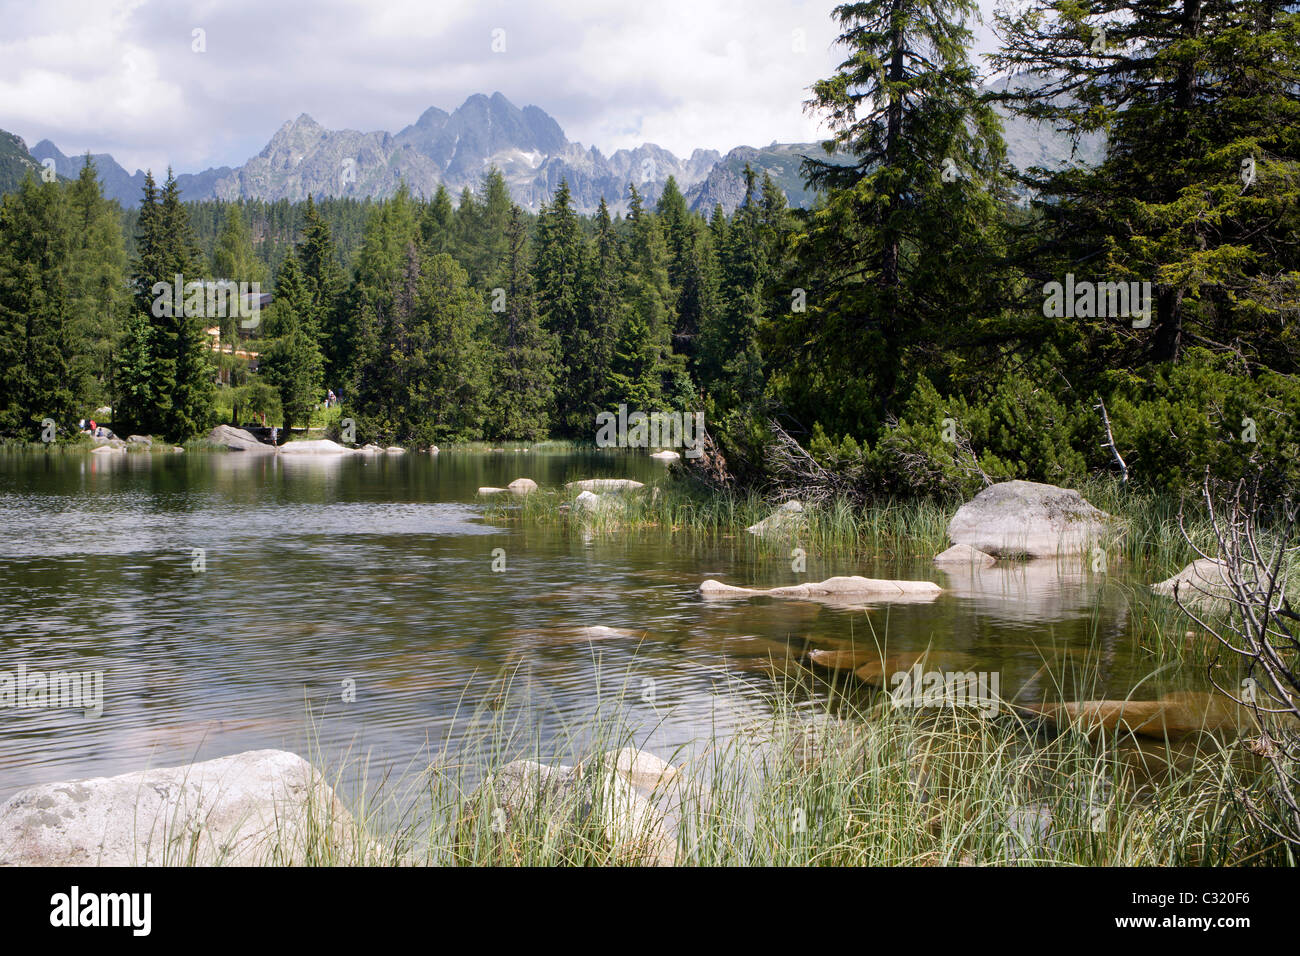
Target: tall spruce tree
(40, 374)
(523, 380)
(165, 380)
(292, 362)
(558, 271)
(896, 256)
(97, 273)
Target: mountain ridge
(454, 149)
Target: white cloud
(119, 76)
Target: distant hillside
(15, 161)
(725, 184)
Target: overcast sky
(123, 77)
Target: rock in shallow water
(851, 585)
(315, 446)
(236, 439)
(1202, 584)
(604, 484)
(784, 520)
(1028, 519)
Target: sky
(196, 83)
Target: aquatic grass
(809, 780)
(1147, 536)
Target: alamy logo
(655, 430)
(939, 689)
(132, 910)
(79, 690)
(223, 299)
(1085, 299)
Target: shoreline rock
(236, 439)
(604, 484)
(571, 797)
(315, 446)
(520, 487)
(786, 519)
(1202, 584)
(260, 806)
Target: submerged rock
(1028, 519)
(873, 666)
(963, 555)
(1202, 584)
(1174, 715)
(605, 484)
(785, 519)
(261, 806)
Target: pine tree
(644, 366)
(292, 362)
(97, 276)
(603, 311)
(558, 274)
(357, 360)
(233, 261)
(899, 251)
(165, 378)
(40, 373)
(319, 264)
(523, 388)
(1200, 183)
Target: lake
(363, 589)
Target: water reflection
(379, 571)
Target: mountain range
(455, 149)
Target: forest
(897, 334)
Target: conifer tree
(558, 274)
(40, 375)
(292, 362)
(523, 379)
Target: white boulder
(605, 484)
(258, 807)
(315, 446)
(236, 439)
(1202, 584)
(1028, 519)
(567, 798)
(784, 520)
